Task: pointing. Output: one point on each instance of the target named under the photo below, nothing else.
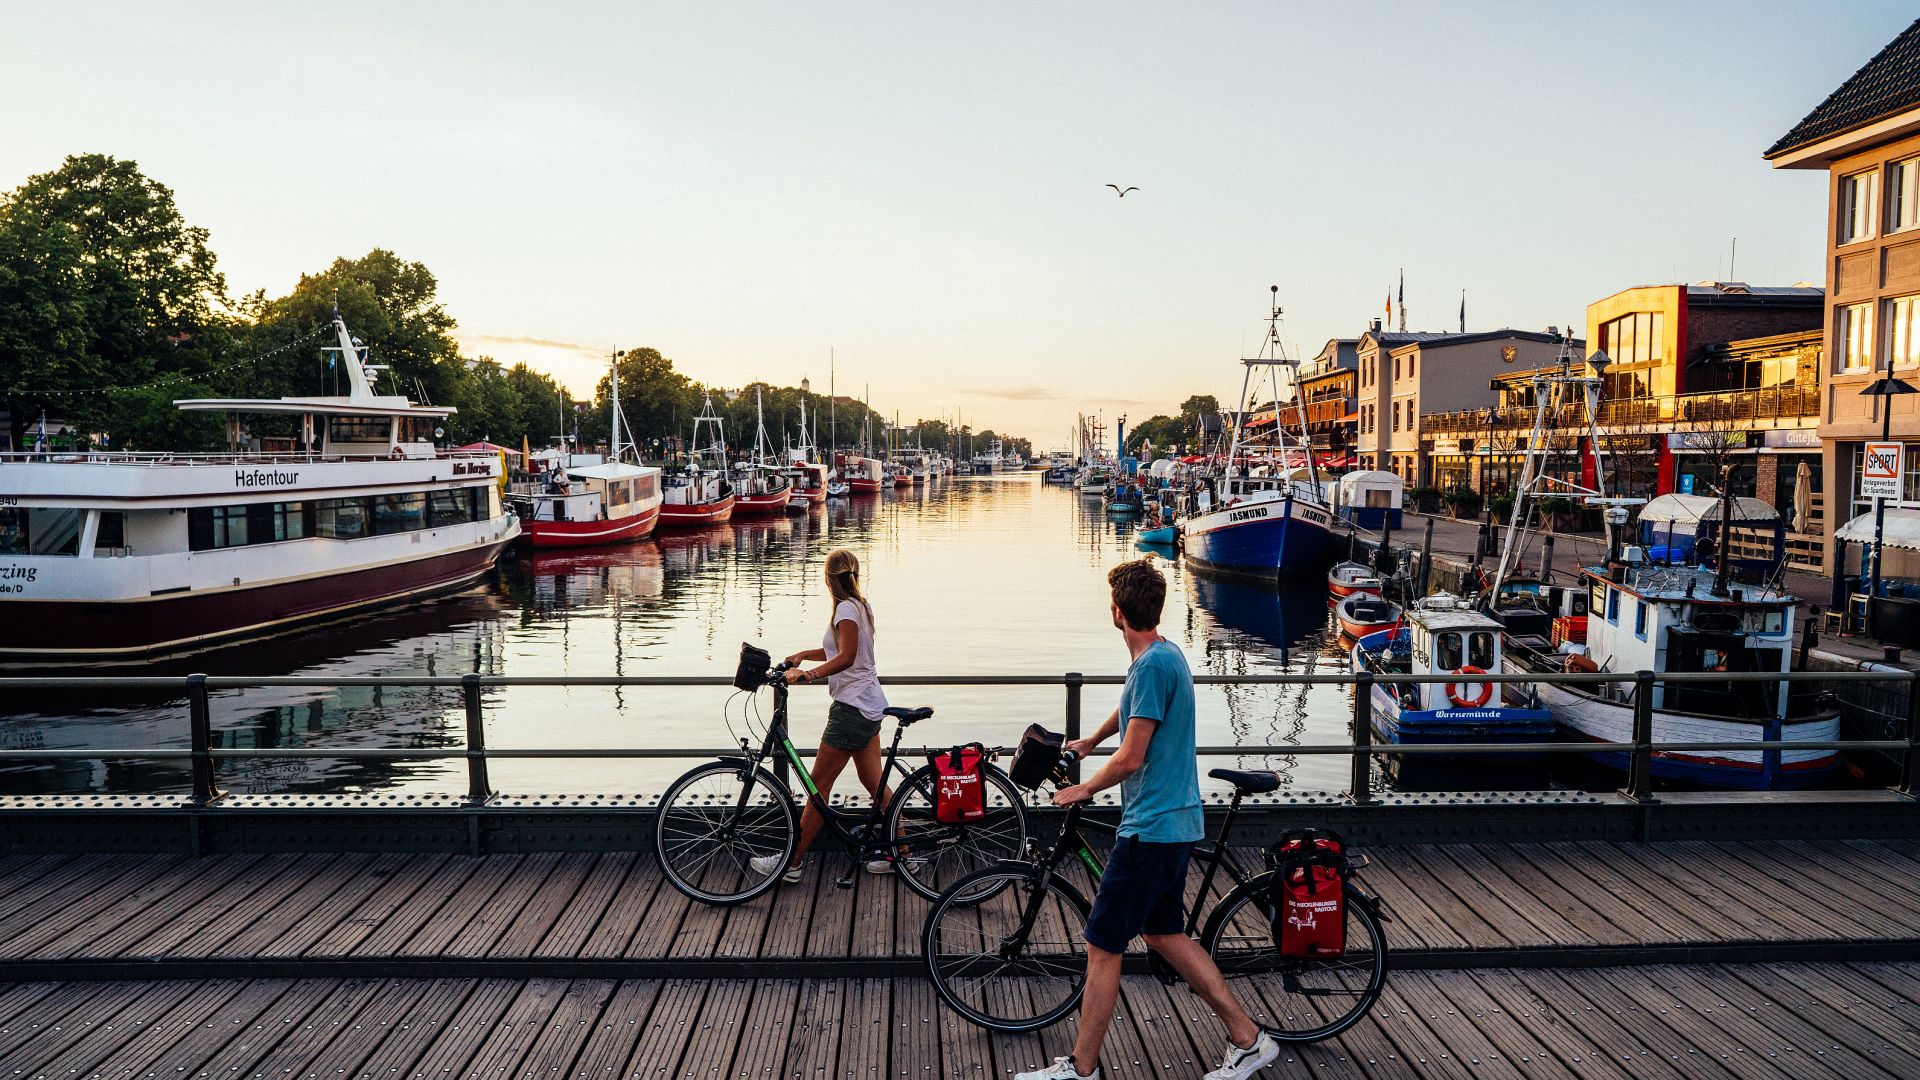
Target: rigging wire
(175, 377)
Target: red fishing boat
(609, 502)
(1363, 613)
(760, 487)
(699, 492)
(864, 475)
(1349, 578)
(807, 479)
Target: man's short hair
(1139, 591)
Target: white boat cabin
(603, 492)
(1447, 637)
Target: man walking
(1142, 893)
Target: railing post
(200, 740)
(1910, 761)
(479, 792)
(1361, 792)
(1074, 681)
(1640, 771)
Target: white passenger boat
(115, 555)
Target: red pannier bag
(1309, 903)
(959, 793)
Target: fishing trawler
(697, 492)
(1261, 515)
(110, 556)
(761, 485)
(611, 502)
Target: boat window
(645, 487)
(289, 521)
(1640, 619)
(1480, 650)
(112, 532)
(1613, 606)
(1446, 651)
(340, 519)
(13, 531)
(358, 429)
(46, 530)
(213, 527)
(450, 506)
(400, 512)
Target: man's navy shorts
(1143, 891)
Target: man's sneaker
(1240, 1064)
(879, 866)
(767, 864)
(1061, 1069)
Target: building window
(1396, 416)
(1856, 206)
(1853, 338)
(1903, 195)
(1903, 350)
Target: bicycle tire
(683, 814)
(1284, 990)
(1003, 1000)
(937, 854)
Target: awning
(1901, 530)
(485, 447)
(1691, 509)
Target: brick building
(1328, 383)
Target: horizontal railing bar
(228, 682)
(588, 753)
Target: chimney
(1375, 326)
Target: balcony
(1712, 407)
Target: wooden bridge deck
(1788, 1022)
(562, 913)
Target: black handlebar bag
(751, 675)
(1036, 757)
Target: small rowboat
(1349, 578)
(1363, 613)
(1165, 534)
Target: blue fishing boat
(1164, 534)
(1263, 514)
(1443, 636)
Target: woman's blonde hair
(843, 580)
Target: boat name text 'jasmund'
(1242, 515)
(263, 477)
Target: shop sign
(1708, 440)
(1446, 445)
(1798, 438)
(1883, 470)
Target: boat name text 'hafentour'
(263, 477)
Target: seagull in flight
(1123, 194)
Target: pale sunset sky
(920, 187)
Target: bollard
(1910, 761)
(479, 792)
(1640, 773)
(1074, 682)
(1362, 790)
(200, 741)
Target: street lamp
(1886, 388)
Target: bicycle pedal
(844, 883)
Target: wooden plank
(545, 907)
(186, 885)
(398, 1029)
(1725, 917)
(1809, 877)
(445, 891)
(1846, 874)
(99, 1034)
(671, 1023)
(866, 1030)
(913, 1037)
(73, 898)
(816, 1029)
(1867, 1000)
(252, 895)
(790, 919)
(1597, 999)
(872, 932)
(1479, 874)
(327, 1021)
(612, 1037)
(396, 912)
(201, 1002)
(18, 1000)
(1587, 912)
(568, 1029)
(1456, 1034)
(614, 931)
(312, 910)
(1582, 1038)
(232, 1020)
(766, 1031)
(23, 877)
(588, 906)
(296, 938)
(400, 888)
(64, 1016)
(254, 1040)
(831, 934)
(1706, 1015)
(1813, 1025)
(1637, 914)
(1415, 923)
(719, 1029)
(53, 879)
(340, 1042)
(1420, 1049)
(1732, 870)
(1159, 1038)
(485, 911)
(519, 1026)
(654, 930)
(467, 1030)
(1523, 1044)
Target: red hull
(761, 505)
(864, 487)
(1356, 631)
(712, 513)
(902, 481)
(553, 534)
(182, 620)
(1350, 590)
(812, 495)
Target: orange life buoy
(1457, 691)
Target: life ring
(396, 454)
(1457, 691)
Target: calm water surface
(972, 576)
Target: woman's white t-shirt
(858, 684)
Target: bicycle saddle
(1249, 783)
(908, 716)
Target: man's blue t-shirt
(1160, 804)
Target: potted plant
(1464, 502)
(1557, 513)
(1426, 500)
(1502, 507)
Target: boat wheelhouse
(1444, 636)
(321, 506)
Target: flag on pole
(1389, 323)
(1403, 300)
(1463, 311)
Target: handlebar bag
(1036, 757)
(1308, 896)
(959, 791)
(751, 675)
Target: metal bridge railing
(202, 754)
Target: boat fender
(1459, 692)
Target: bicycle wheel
(1296, 1000)
(932, 855)
(713, 822)
(993, 965)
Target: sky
(918, 190)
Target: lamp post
(1486, 501)
(1886, 388)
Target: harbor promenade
(1685, 959)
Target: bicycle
(1014, 960)
(719, 816)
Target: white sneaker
(767, 864)
(879, 866)
(1062, 1068)
(1240, 1064)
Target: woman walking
(853, 720)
